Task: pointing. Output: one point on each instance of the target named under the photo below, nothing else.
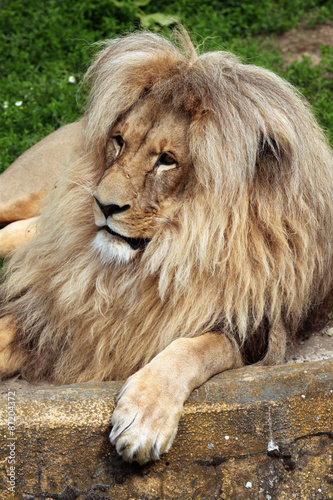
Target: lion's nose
(109, 210)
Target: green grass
(42, 44)
(242, 18)
(317, 85)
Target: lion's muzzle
(110, 210)
(134, 243)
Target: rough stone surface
(254, 433)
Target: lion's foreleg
(151, 402)
(10, 362)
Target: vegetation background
(45, 48)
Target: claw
(117, 430)
(144, 423)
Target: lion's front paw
(146, 417)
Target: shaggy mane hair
(249, 251)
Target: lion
(190, 233)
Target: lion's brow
(153, 124)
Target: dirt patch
(316, 348)
(17, 384)
(300, 42)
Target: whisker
(85, 184)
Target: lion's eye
(119, 141)
(166, 162)
(113, 149)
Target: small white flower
(248, 485)
(71, 79)
(5, 104)
(18, 103)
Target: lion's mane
(249, 251)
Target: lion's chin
(112, 249)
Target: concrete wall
(254, 433)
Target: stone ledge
(263, 433)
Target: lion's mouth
(134, 243)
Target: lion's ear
(273, 161)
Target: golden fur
(247, 249)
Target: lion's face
(146, 172)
